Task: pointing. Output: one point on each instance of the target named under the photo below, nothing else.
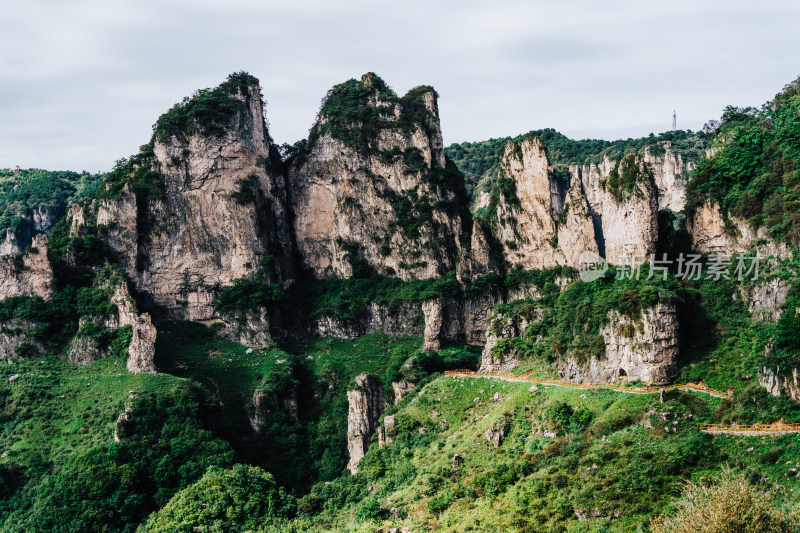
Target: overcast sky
(82, 82)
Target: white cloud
(81, 82)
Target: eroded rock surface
(780, 382)
(384, 201)
(645, 349)
(28, 275)
(365, 406)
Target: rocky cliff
(644, 349)
(85, 348)
(780, 383)
(715, 234)
(372, 191)
(365, 406)
(30, 274)
(670, 175)
(623, 200)
(214, 209)
(539, 221)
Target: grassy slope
(612, 463)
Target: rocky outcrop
(142, 349)
(576, 231)
(396, 319)
(493, 360)
(220, 214)
(35, 222)
(475, 313)
(779, 382)
(643, 349)
(17, 339)
(250, 329)
(378, 194)
(495, 436)
(83, 349)
(11, 245)
(45, 217)
(386, 431)
(268, 402)
(123, 423)
(627, 221)
(714, 234)
(365, 406)
(765, 299)
(28, 275)
(119, 218)
(670, 174)
(540, 221)
(400, 389)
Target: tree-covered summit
(207, 111)
(355, 112)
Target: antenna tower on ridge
(674, 120)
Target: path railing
(697, 387)
(776, 427)
(742, 429)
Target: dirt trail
(776, 428)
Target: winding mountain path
(776, 428)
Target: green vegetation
(63, 472)
(304, 387)
(246, 294)
(755, 174)
(56, 320)
(139, 173)
(628, 178)
(244, 498)
(568, 322)
(613, 460)
(730, 503)
(25, 190)
(356, 111)
(208, 111)
(347, 299)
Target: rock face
(249, 329)
(500, 362)
(222, 210)
(365, 406)
(536, 212)
(780, 383)
(386, 432)
(670, 174)
(711, 235)
(376, 195)
(765, 299)
(30, 275)
(645, 350)
(83, 350)
(17, 339)
(119, 217)
(400, 389)
(142, 349)
(627, 223)
(402, 319)
(36, 222)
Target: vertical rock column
(365, 406)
